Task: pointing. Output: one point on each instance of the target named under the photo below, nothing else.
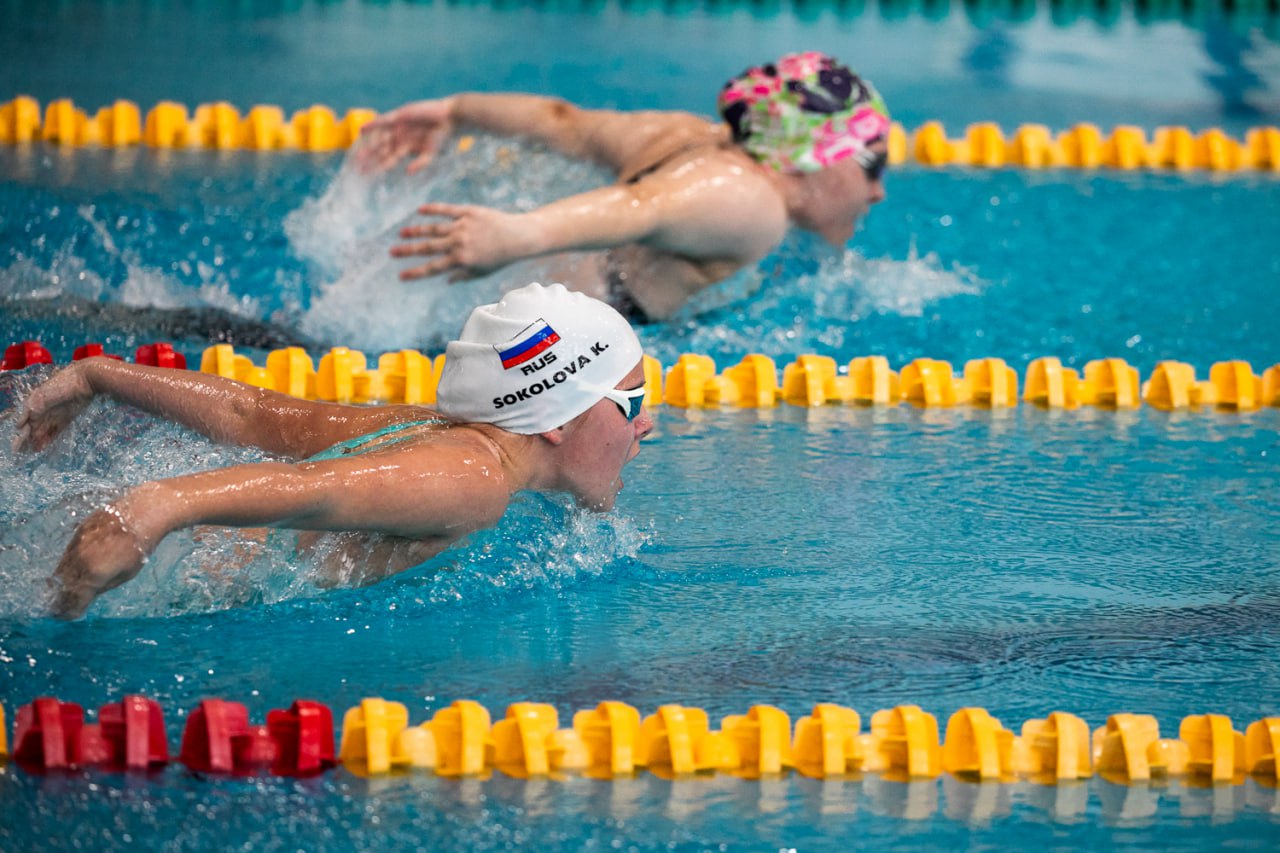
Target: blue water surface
(1109, 63)
(1026, 561)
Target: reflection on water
(645, 812)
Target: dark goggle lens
(874, 165)
(635, 402)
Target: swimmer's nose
(644, 423)
(878, 192)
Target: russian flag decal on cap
(535, 338)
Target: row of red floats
(612, 740)
(30, 353)
(408, 376)
(130, 736)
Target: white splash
(346, 235)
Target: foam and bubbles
(100, 260)
(806, 297)
(346, 235)
(542, 542)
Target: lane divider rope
(318, 128)
(694, 382)
(611, 740)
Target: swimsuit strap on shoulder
(361, 443)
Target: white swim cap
(535, 360)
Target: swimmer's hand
(103, 553)
(51, 406)
(469, 242)
(415, 130)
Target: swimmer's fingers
(376, 150)
(413, 129)
(436, 246)
(439, 208)
(33, 438)
(40, 435)
(430, 268)
(102, 554)
(70, 602)
(448, 258)
(34, 432)
(50, 407)
(22, 434)
(440, 246)
(471, 241)
(380, 151)
(417, 164)
(451, 212)
(430, 229)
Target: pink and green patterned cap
(803, 113)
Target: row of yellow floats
(319, 128)
(1085, 146)
(169, 125)
(902, 744)
(408, 376)
(815, 380)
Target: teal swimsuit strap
(360, 444)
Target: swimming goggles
(630, 401)
(873, 163)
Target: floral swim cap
(803, 113)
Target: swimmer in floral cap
(804, 143)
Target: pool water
(1107, 63)
(1024, 561)
(956, 264)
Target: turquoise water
(957, 62)
(956, 264)
(1025, 561)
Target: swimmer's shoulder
(641, 141)
(474, 443)
(473, 468)
(721, 205)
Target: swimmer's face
(599, 442)
(840, 196)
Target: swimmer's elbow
(564, 126)
(561, 111)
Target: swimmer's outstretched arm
(222, 409)
(712, 212)
(432, 497)
(606, 136)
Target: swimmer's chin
(601, 504)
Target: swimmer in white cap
(804, 142)
(543, 391)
